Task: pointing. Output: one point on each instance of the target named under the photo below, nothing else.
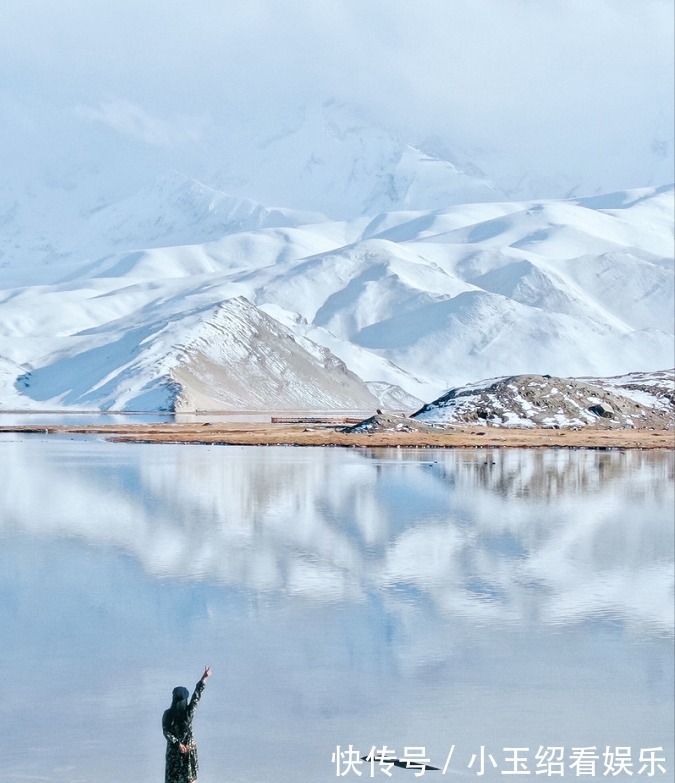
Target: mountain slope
(243, 359)
(229, 357)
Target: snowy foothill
(637, 400)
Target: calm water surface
(40, 418)
(430, 599)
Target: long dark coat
(181, 767)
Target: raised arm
(196, 696)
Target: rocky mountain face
(637, 400)
(242, 359)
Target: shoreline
(309, 434)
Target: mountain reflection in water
(418, 597)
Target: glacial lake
(79, 418)
(508, 608)
(41, 418)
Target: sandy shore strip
(309, 434)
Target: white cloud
(561, 85)
(131, 120)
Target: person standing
(182, 763)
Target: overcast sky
(564, 83)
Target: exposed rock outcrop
(638, 400)
(388, 422)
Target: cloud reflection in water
(414, 597)
(474, 531)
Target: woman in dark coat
(182, 764)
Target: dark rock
(603, 410)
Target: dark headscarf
(177, 712)
(179, 698)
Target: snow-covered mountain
(98, 309)
(333, 159)
(229, 356)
